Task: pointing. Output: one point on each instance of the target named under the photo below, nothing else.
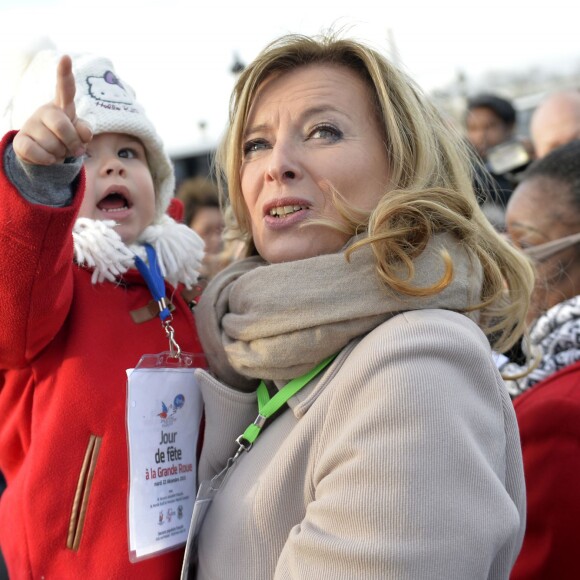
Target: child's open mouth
(113, 202)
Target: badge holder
(164, 410)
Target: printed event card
(164, 409)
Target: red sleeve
(36, 270)
(549, 421)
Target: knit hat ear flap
(107, 103)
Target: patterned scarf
(554, 343)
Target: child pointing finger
(85, 186)
(54, 132)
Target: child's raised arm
(54, 131)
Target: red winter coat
(64, 347)
(549, 421)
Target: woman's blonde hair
(430, 181)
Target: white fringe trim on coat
(98, 245)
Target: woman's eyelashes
(324, 131)
(254, 145)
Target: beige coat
(401, 461)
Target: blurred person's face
(556, 123)
(119, 185)
(539, 212)
(208, 223)
(309, 131)
(486, 130)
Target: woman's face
(309, 131)
(538, 212)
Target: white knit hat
(102, 99)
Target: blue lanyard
(156, 285)
(154, 280)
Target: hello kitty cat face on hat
(109, 88)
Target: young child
(87, 167)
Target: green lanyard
(268, 406)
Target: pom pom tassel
(179, 250)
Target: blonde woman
(356, 424)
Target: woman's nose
(283, 163)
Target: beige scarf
(277, 321)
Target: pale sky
(176, 54)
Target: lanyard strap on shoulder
(156, 284)
(154, 280)
(268, 406)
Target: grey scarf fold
(277, 321)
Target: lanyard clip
(244, 445)
(163, 305)
(247, 438)
(174, 348)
